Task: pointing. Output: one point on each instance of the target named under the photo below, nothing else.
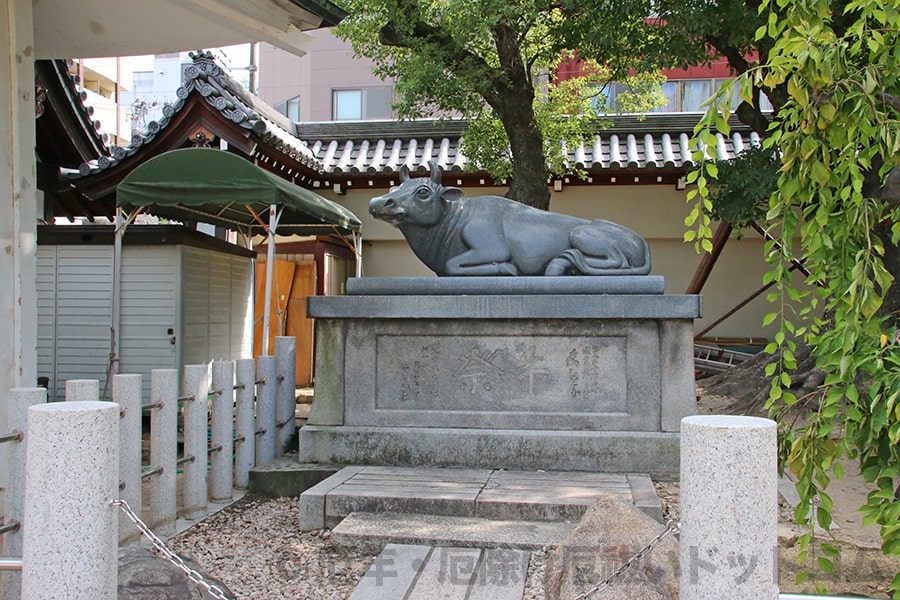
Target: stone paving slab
(495, 494)
(437, 582)
(546, 496)
(392, 573)
(418, 572)
(370, 532)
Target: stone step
(417, 572)
(483, 493)
(369, 532)
(284, 476)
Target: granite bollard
(221, 475)
(82, 390)
(126, 392)
(286, 400)
(265, 409)
(70, 539)
(196, 443)
(164, 449)
(729, 508)
(19, 401)
(245, 445)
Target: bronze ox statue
(490, 235)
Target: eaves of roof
(650, 143)
(67, 133)
(208, 79)
(331, 13)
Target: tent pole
(270, 264)
(357, 242)
(116, 317)
(252, 291)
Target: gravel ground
(255, 548)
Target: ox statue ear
(435, 172)
(404, 173)
(451, 194)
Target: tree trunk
(513, 101)
(748, 385)
(529, 181)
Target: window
(695, 92)
(604, 100)
(670, 90)
(764, 103)
(292, 108)
(366, 103)
(347, 105)
(683, 96)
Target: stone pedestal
(520, 373)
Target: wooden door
(283, 278)
(298, 324)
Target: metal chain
(672, 526)
(215, 591)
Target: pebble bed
(256, 549)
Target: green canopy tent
(223, 189)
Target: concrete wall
(329, 66)
(656, 212)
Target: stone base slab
(655, 453)
(563, 382)
(497, 495)
(492, 286)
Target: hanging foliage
(838, 135)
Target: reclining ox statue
(490, 235)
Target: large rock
(145, 576)
(610, 532)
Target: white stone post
(196, 441)
(126, 392)
(265, 409)
(286, 394)
(245, 428)
(729, 508)
(20, 399)
(82, 390)
(71, 539)
(163, 450)
(222, 424)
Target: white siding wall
(82, 305)
(150, 318)
(180, 305)
(241, 308)
(46, 312)
(195, 309)
(215, 306)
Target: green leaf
(838, 470)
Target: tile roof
(653, 142)
(67, 132)
(209, 79)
